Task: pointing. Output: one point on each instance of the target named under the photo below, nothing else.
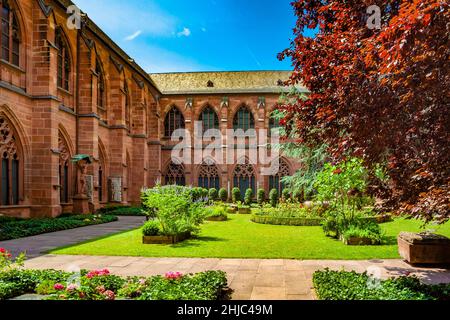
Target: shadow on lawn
(197, 241)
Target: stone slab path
(251, 279)
(36, 245)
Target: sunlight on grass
(240, 238)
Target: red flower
(337, 171)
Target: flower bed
(102, 285)
(13, 229)
(166, 239)
(342, 285)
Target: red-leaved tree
(379, 94)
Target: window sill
(64, 91)
(12, 66)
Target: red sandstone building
(67, 92)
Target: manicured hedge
(342, 285)
(30, 227)
(265, 219)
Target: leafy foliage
(342, 285)
(273, 197)
(151, 228)
(248, 198)
(381, 95)
(261, 196)
(223, 194)
(212, 194)
(236, 195)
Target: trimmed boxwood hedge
(30, 227)
(286, 221)
(343, 285)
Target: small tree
(213, 194)
(248, 196)
(261, 196)
(223, 195)
(204, 192)
(236, 195)
(273, 197)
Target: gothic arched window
(209, 119)
(174, 120)
(63, 61)
(10, 37)
(244, 178)
(9, 166)
(208, 176)
(64, 171)
(243, 119)
(174, 175)
(275, 181)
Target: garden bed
(286, 221)
(165, 239)
(357, 241)
(19, 228)
(218, 218)
(101, 285)
(342, 285)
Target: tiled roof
(222, 82)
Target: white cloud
(185, 33)
(133, 36)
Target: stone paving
(251, 279)
(36, 245)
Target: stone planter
(165, 239)
(245, 210)
(424, 248)
(219, 218)
(232, 209)
(357, 241)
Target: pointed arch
(65, 169)
(244, 118)
(208, 175)
(209, 118)
(276, 180)
(244, 176)
(174, 174)
(11, 164)
(10, 33)
(173, 120)
(65, 59)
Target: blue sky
(197, 35)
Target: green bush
(367, 229)
(273, 197)
(248, 199)
(287, 210)
(342, 285)
(261, 196)
(25, 228)
(286, 194)
(212, 194)
(217, 211)
(223, 195)
(151, 228)
(177, 208)
(236, 195)
(297, 196)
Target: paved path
(250, 279)
(36, 245)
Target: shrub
(287, 210)
(151, 228)
(217, 211)
(369, 230)
(236, 195)
(223, 195)
(343, 285)
(286, 194)
(176, 208)
(261, 196)
(273, 197)
(248, 196)
(297, 196)
(212, 194)
(31, 227)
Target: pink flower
(72, 287)
(58, 286)
(173, 275)
(95, 273)
(142, 281)
(2, 250)
(101, 289)
(109, 295)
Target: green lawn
(240, 238)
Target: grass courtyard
(240, 238)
